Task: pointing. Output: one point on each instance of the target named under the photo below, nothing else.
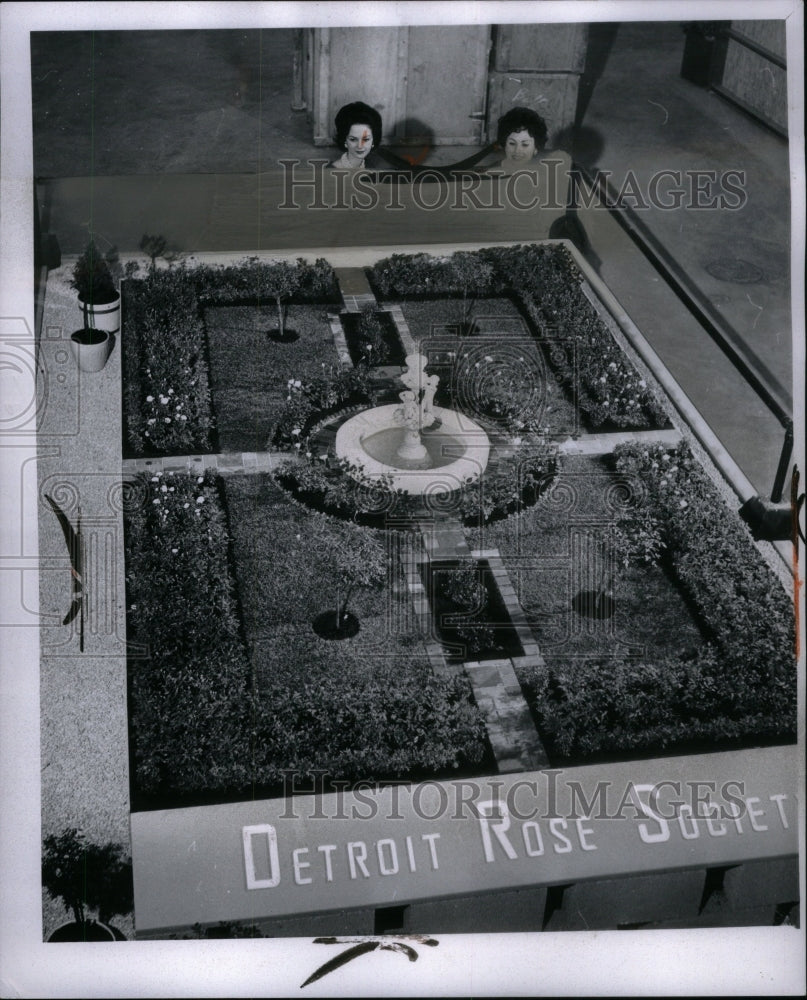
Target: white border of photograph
(717, 962)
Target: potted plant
(91, 348)
(94, 278)
(86, 877)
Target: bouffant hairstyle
(522, 120)
(357, 113)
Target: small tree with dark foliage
(87, 877)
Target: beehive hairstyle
(522, 120)
(357, 113)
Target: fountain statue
(416, 412)
(416, 446)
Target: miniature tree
(153, 247)
(280, 282)
(353, 558)
(469, 273)
(87, 877)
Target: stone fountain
(416, 447)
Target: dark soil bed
(469, 633)
(389, 351)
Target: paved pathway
(355, 289)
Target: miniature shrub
(254, 281)
(309, 401)
(623, 706)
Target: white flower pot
(91, 348)
(101, 316)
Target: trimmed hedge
(547, 282)
(337, 487)
(253, 282)
(740, 686)
(199, 726)
(716, 561)
(166, 381)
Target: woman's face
(519, 147)
(359, 141)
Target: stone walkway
(354, 287)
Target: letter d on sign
(265, 837)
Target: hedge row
(254, 281)
(199, 726)
(716, 561)
(166, 381)
(740, 686)
(339, 488)
(546, 280)
(615, 707)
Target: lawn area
(556, 549)
(285, 577)
(503, 349)
(249, 370)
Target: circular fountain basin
(457, 450)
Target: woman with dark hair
(521, 134)
(358, 130)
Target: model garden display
(473, 468)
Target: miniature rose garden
(297, 613)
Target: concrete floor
(180, 133)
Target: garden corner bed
(209, 353)
(695, 645)
(224, 579)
